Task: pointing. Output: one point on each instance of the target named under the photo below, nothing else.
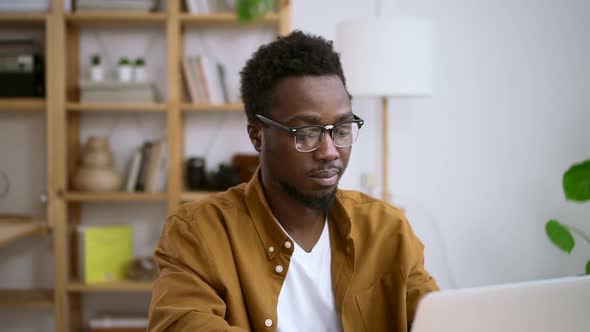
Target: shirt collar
(270, 232)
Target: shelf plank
(118, 17)
(114, 197)
(192, 196)
(224, 18)
(13, 229)
(26, 298)
(22, 18)
(236, 107)
(22, 104)
(112, 107)
(114, 286)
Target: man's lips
(325, 173)
(326, 177)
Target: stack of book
(127, 5)
(205, 80)
(147, 168)
(24, 6)
(117, 92)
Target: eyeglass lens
(343, 135)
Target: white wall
(482, 159)
(477, 166)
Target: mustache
(328, 167)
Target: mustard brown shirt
(219, 260)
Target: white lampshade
(387, 57)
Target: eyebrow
(311, 119)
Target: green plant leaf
(588, 267)
(560, 235)
(576, 182)
(243, 10)
(248, 10)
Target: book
(104, 252)
(202, 80)
(133, 171)
(197, 74)
(213, 80)
(160, 174)
(190, 80)
(143, 168)
(153, 167)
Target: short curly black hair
(296, 54)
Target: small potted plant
(139, 73)
(96, 70)
(124, 70)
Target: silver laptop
(553, 305)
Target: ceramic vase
(125, 73)
(96, 173)
(96, 73)
(139, 74)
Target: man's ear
(255, 134)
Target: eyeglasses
(309, 138)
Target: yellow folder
(105, 252)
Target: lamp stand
(385, 147)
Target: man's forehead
(310, 98)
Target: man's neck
(303, 224)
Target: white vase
(96, 73)
(124, 73)
(139, 73)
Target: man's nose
(327, 150)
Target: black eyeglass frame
(293, 130)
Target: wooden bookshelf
(112, 107)
(14, 229)
(115, 17)
(237, 107)
(63, 117)
(22, 104)
(115, 197)
(26, 299)
(22, 18)
(115, 286)
(224, 19)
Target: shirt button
(268, 322)
(271, 249)
(287, 244)
(279, 268)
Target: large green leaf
(588, 267)
(560, 235)
(576, 182)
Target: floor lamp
(387, 58)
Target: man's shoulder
(213, 204)
(370, 212)
(353, 199)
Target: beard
(321, 203)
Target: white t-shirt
(306, 301)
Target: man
(289, 251)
